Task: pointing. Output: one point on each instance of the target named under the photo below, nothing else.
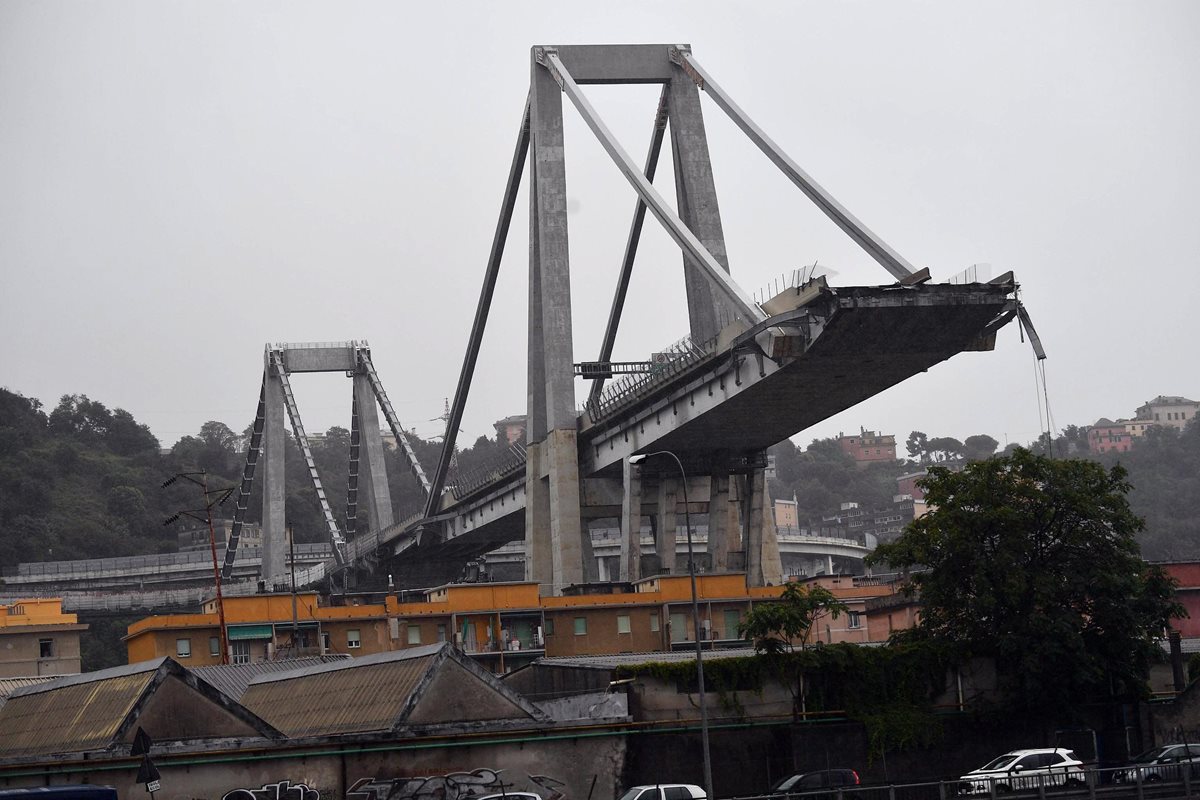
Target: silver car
(1162, 764)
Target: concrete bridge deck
(787, 374)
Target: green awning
(236, 632)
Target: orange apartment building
(37, 638)
(502, 625)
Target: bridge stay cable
(352, 474)
(692, 247)
(878, 249)
(253, 451)
(402, 441)
(482, 309)
(631, 245)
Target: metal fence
(1118, 783)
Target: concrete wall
(392, 768)
(20, 651)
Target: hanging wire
(1046, 417)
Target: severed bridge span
(750, 372)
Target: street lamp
(687, 516)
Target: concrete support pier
(631, 523)
(724, 530)
(763, 565)
(554, 520)
(274, 522)
(372, 471)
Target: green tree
(780, 628)
(944, 448)
(979, 446)
(917, 446)
(1033, 562)
(782, 625)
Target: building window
(183, 648)
(352, 639)
(549, 626)
(241, 652)
(855, 620)
(45, 648)
(733, 618)
(654, 623)
(214, 646)
(414, 634)
(441, 633)
(580, 626)
(326, 643)
(623, 623)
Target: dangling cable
(1037, 394)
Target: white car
(1025, 769)
(665, 791)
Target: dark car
(822, 780)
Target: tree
(777, 628)
(780, 626)
(979, 446)
(944, 448)
(917, 445)
(1032, 562)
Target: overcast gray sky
(183, 182)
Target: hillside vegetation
(83, 481)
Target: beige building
(37, 638)
(1169, 411)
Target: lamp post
(687, 516)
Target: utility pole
(292, 555)
(214, 497)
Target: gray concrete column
(561, 456)
(763, 566)
(538, 546)
(696, 195)
(551, 357)
(667, 528)
(631, 523)
(274, 446)
(724, 532)
(372, 470)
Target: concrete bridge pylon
(368, 481)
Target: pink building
(868, 446)
(1106, 436)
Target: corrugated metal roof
(232, 679)
(361, 661)
(632, 659)
(356, 697)
(91, 677)
(9, 685)
(69, 716)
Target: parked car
(1025, 769)
(664, 791)
(823, 780)
(1162, 764)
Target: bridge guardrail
(628, 389)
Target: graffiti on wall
(451, 786)
(283, 790)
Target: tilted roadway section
(764, 385)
